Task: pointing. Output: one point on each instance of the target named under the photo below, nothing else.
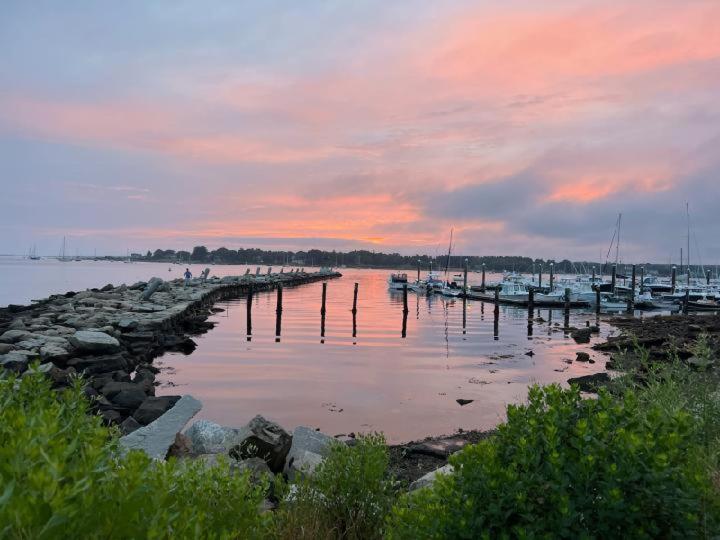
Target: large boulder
(590, 383)
(308, 449)
(13, 336)
(88, 341)
(156, 438)
(16, 360)
(266, 440)
(210, 438)
(92, 365)
(581, 335)
(129, 400)
(153, 408)
(429, 478)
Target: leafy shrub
(348, 496)
(61, 476)
(566, 467)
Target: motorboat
(397, 282)
(513, 291)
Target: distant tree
(199, 254)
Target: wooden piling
(597, 298)
(403, 333)
(593, 275)
(418, 271)
(465, 271)
(531, 298)
(552, 275)
(355, 293)
(613, 279)
(642, 280)
(707, 277)
(686, 301)
(278, 313)
(540, 277)
(483, 277)
(567, 299)
(673, 279)
(249, 313)
(324, 297)
(497, 299)
(405, 304)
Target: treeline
(373, 259)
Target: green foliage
(348, 496)
(61, 476)
(571, 468)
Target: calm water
(375, 380)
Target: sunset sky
(526, 125)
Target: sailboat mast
(687, 212)
(617, 246)
(447, 262)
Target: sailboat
(447, 289)
(33, 256)
(62, 253)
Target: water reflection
(405, 385)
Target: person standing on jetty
(187, 275)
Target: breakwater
(112, 334)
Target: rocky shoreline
(663, 337)
(112, 335)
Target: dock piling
(673, 279)
(405, 304)
(483, 277)
(552, 275)
(613, 279)
(597, 298)
(465, 271)
(249, 313)
(278, 313)
(642, 280)
(355, 293)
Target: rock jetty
(112, 335)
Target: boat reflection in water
(385, 369)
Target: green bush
(348, 496)
(61, 476)
(567, 467)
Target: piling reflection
(248, 331)
(405, 385)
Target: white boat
(511, 290)
(450, 291)
(396, 282)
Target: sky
(526, 126)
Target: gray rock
(99, 364)
(429, 478)
(6, 348)
(16, 361)
(129, 425)
(582, 357)
(152, 286)
(590, 383)
(153, 408)
(129, 400)
(53, 353)
(439, 448)
(94, 342)
(156, 438)
(113, 388)
(257, 467)
(208, 437)
(138, 285)
(127, 325)
(13, 336)
(266, 440)
(17, 324)
(307, 450)
(581, 335)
